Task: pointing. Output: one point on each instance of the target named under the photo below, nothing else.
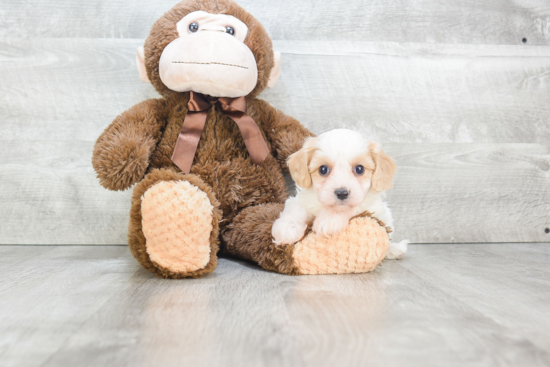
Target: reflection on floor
(442, 305)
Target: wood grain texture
(471, 192)
(418, 93)
(47, 297)
(452, 305)
(426, 21)
(443, 192)
(392, 93)
(59, 95)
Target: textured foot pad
(357, 249)
(177, 222)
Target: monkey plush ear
(276, 71)
(140, 63)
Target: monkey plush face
(212, 47)
(209, 57)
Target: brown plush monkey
(209, 60)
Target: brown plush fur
(249, 237)
(138, 146)
(121, 153)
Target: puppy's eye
(230, 30)
(324, 170)
(193, 27)
(359, 170)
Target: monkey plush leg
(359, 248)
(174, 225)
(249, 237)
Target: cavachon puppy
(339, 176)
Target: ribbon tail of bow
(188, 139)
(253, 138)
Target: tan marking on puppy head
(367, 161)
(317, 160)
(382, 177)
(298, 163)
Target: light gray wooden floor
(443, 305)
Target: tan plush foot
(357, 249)
(177, 223)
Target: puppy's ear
(298, 163)
(382, 178)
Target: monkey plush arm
(285, 133)
(121, 153)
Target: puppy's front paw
(328, 224)
(287, 232)
(397, 250)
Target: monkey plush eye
(230, 30)
(324, 170)
(193, 27)
(359, 170)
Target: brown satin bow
(194, 122)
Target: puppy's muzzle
(341, 193)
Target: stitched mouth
(208, 63)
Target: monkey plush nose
(341, 194)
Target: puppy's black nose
(341, 194)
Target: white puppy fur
(338, 175)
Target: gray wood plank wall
(449, 89)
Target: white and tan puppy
(338, 175)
